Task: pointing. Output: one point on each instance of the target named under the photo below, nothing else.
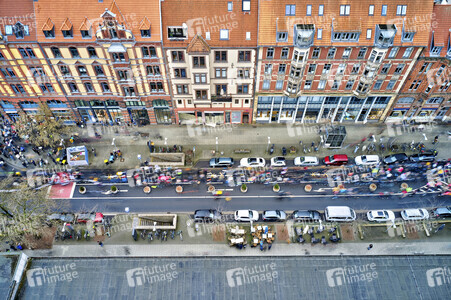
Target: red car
(95, 217)
(336, 160)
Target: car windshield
(363, 158)
(302, 159)
(250, 214)
(331, 158)
(252, 160)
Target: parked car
(63, 217)
(278, 161)
(414, 214)
(207, 215)
(85, 217)
(339, 214)
(395, 158)
(442, 212)
(306, 161)
(380, 215)
(221, 162)
(336, 160)
(274, 215)
(246, 215)
(254, 162)
(306, 215)
(367, 160)
(421, 157)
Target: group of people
(117, 154)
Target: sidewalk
(158, 249)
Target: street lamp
(113, 143)
(166, 144)
(269, 142)
(217, 144)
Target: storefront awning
(117, 48)
(160, 104)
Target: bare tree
(42, 130)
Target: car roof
(443, 210)
(340, 156)
(413, 212)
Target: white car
(380, 215)
(253, 162)
(306, 161)
(414, 214)
(278, 161)
(246, 215)
(367, 160)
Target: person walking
(370, 246)
(100, 243)
(93, 151)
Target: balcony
(221, 98)
(385, 34)
(304, 34)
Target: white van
(339, 214)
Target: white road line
(73, 189)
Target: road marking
(72, 191)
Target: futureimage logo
(248, 275)
(140, 276)
(41, 276)
(352, 274)
(438, 276)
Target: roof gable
(67, 25)
(85, 25)
(198, 45)
(145, 24)
(48, 25)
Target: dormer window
(145, 33)
(177, 33)
(304, 34)
(385, 35)
(66, 29)
(436, 48)
(85, 34)
(49, 33)
(67, 33)
(19, 30)
(407, 36)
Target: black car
(207, 215)
(395, 158)
(421, 157)
(442, 212)
(306, 215)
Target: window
(401, 10)
(279, 84)
(145, 33)
(98, 70)
(92, 52)
(220, 56)
(179, 102)
(265, 85)
(385, 68)
(56, 52)
(355, 69)
(312, 69)
(292, 88)
(105, 87)
(321, 10)
(129, 91)
(180, 73)
(282, 68)
(282, 36)
(444, 87)
(221, 73)
(429, 88)
(290, 10)
(349, 84)
(309, 10)
(345, 36)
(307, 85)
(335, 85)
(384, 10)
(177, 56)
(18, 29)
(316, 52)
(88, 87)
(371, 10)
(244, 55)
(64, 70)
(393, 52)
(270, 53)
(284, 53)
(49, 33)
(407, 36)
(156, 87)
(145, 51)
(85, 34)
(198, 61)
(295, 72)
(246, 5)
(67, 34)
(243, 89)
(391, 85)
(322, 84)
(182, 89)
(5, 74)
(320, 34)
(341, 68)
(82, 71)
(414, 85)
(248, 35)
(12, 74)
(221, 89)
(123, 75)
(425, 67)
(346, 53)
(73, 87)
(440, 70)
(434, 100)
(176, 33)
(399, 68)
(224, 34)
(436, 50)
(1, 56)
(377, 85)
(362, 87)
(326, 68)
(268, 68)
(207, 35)
(200, 78)
(74, 52)
(407, 52)
(118, 57)
(345, 10)
(23, 52)
(243, 73)
(229, 6)
(362, 52)
(201, 95)
(331, 53)
(369, 32)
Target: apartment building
(210, 47)
(426, 94)
(336, 61)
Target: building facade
(210, 48)
(426, 94)
(341, 61)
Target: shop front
(139, 116)
(214, 118)
(162, 111)
(188, 117)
